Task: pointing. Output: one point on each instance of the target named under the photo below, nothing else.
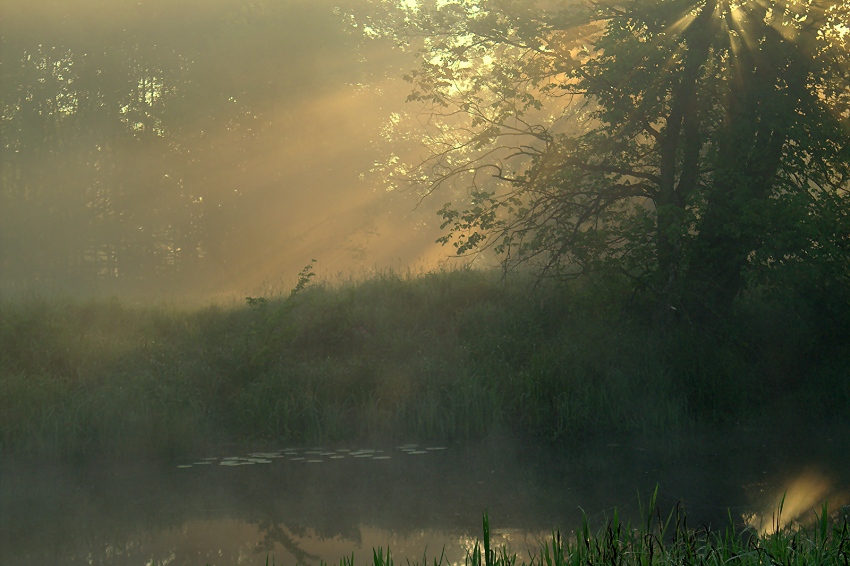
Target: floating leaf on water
(259, 461)
(229, 463)
(202, 463)
(299, 459)
(231, 458)
(436, 448)
(183, 466)
(243, 461)
(327, 453)
(417, 452)
(337, 457)
(408, 447)
(380, 457)
(265, 455)
(314, 461)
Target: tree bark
(751, 149)
(680, 149)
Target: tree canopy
(693, 146)
(163, 146)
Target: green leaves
(470, 229)
(650, 139)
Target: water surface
(303, 504)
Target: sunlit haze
(198, 148)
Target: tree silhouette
(693, 147)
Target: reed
(658, 540)
(665, 540)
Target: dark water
(414, 501)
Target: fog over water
(197, 148)
(158, 149)
(306, 504)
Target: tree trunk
(680, 151)
(751, 147)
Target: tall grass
(662, 540)
(659, 540)
(667, 539)
(442, 356)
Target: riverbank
(662, 540)
(449, 356)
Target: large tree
(690, 145)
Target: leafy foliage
(691, 146)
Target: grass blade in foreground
(827, 543)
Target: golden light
(798, 503)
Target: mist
(198, 148)
(670, 328)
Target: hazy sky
(223, 143)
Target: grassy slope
(439, 356)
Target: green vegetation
(440, 356)
(667, 541)
(690, 144)
(662, 541)
(688, 158)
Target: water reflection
(305, 504)
(230, 541)
(799, 501)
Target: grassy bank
(665, 540)
(448, 356)
(660, 540)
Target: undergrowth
(442, 356)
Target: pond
(308, 504)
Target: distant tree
(691, 146)
(126, 141)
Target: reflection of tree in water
(276, 533)
(73, 515)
